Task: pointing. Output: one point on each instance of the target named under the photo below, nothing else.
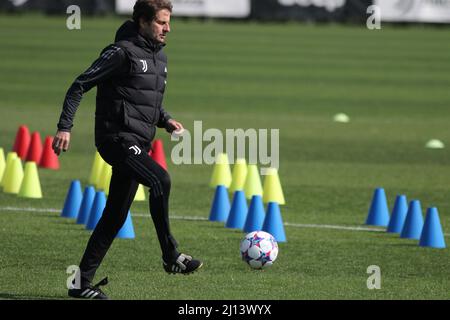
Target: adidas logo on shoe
(90, 292)
(184, 264)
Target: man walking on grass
(130, 76)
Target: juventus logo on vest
(144, 65)
(136, 149)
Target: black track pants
(131, 165)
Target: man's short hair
(147, 9)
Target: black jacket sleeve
(164, 116)
(112, 61)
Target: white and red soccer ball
(259, 249)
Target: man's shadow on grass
(18, 296)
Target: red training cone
(49, 159)
(22, 142)
(35, 150)
(158, 154)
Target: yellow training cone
(30, 187)
(272, 187)
(102, 164)
(221, 173)
(14, 177)
(238, 176)
(140, 193)
(252, 186)
(105, 178)
(2, 163)
(96, 169)
(9, 161)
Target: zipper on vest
(156, 89)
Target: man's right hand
(61, 141)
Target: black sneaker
(90, 292)
(183, 264)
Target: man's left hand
(174, 125)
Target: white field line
(197, 218)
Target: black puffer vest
(128, 106)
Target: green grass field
(393, 83)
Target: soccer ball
(259, 249)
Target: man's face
(158, 28)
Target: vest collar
(129, 30)
(145, 43)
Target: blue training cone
(221, 205)
(413, 226)
(127, 230)
(255, 215)
(73, 200)
(432, 235)
(86, 205)
(238, 211)
(96, 210)
(398, 215)
(379, 212)
(273, 223)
